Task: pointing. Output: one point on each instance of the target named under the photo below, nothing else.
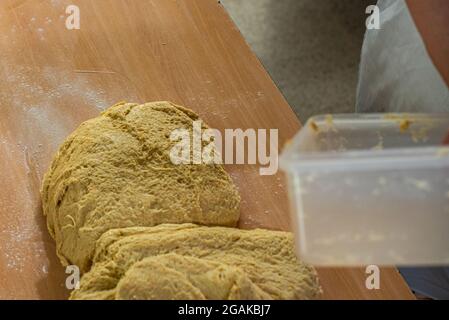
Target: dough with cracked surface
(177, 277)
(188, 261)
(114, 171)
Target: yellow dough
(188, 261)
(114, 171)
(172, 276)
(140, 227)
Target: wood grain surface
(185, 51)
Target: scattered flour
(40, 105)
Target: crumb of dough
(404, 125)
(314, 126)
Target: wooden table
(185, 51)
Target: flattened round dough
(204, 262)
(114, 171)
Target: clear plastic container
(370, 189)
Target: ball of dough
(115, 171)
(188, 261)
